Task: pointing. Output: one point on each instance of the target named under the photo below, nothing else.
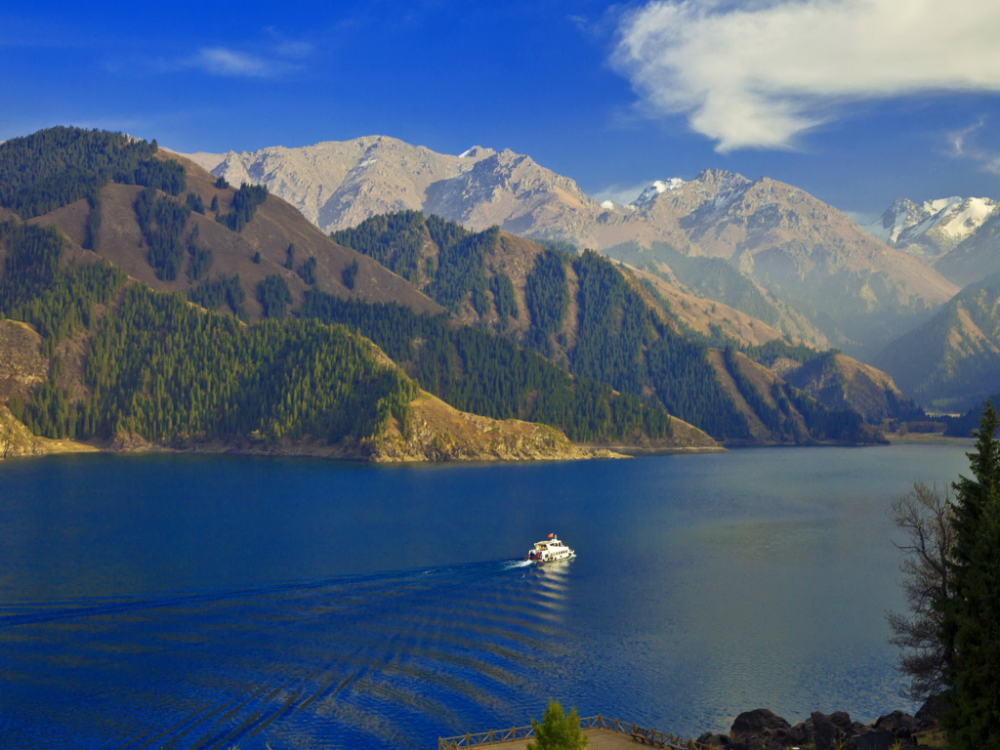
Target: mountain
(162, 374)
(145, 220)
(959, 236)
(717, 282)
(703, 318)
(953, 359)
(841, 382)
(120, 240)
(857, 291)
(600, 320)
(976, 257)
(339, 184)
(488, 322)
(934, 228)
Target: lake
(181, 601)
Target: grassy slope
(274, 227)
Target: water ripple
(378, 661)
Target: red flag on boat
(551, 535)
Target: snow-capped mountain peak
(935, 227)
(476, 152)
(658, 186)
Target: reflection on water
(316, 605)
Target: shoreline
(349, 454)
(364, 455)
(928, 437)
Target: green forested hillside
(55, 299)
(582, 311)
(163, 369)
(476, 371)
(54, 167)
(619, 340)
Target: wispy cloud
(759, 74)
(222, 61)
(962, 144)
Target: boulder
(758, 722)
(825, 732)
(842, 720)
(800, 734)
(902, 725)
(760, 729)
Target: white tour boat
(550, 550)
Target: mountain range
(844, 286)
(138, 273)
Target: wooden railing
(646, 736)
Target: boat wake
(309, 663)
(518, 564)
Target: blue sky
(856, 101)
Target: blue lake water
(211, 602)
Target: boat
(550, 550)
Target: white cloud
(759, 74)
(221, 61)
(621, 194)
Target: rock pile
(762, 729)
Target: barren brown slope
(841, 382)
(857, 290)
(439, 432)
(274, 227)
(705, 317)
(769, 404)
(953, 360)
(760, 432)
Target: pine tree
(558, 731)
(971, 616)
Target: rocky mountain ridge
(934, 228)
(857, 290)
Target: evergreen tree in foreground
(971, 616)
(558, 731)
